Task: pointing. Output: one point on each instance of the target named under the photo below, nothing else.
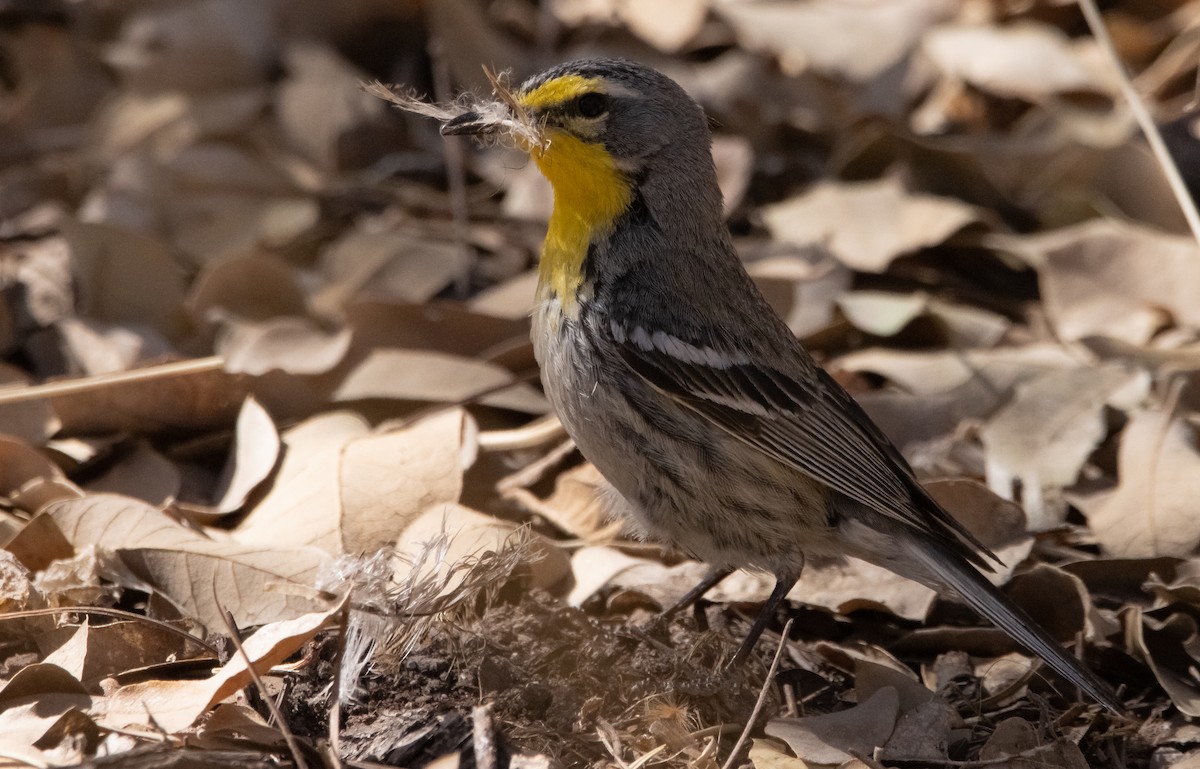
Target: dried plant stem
(1154, 138)
(116, 614)
(762, 698)
(288, 737)
(24, 394)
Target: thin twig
(762, 698)
(1150, 130)
(288, 737)
(118, 614)
(75, 386)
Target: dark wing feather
(814, 427)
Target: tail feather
(982, 596)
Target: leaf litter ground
(258, 326)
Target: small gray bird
(680, 383)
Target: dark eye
(592, 104)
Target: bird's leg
(782, 586)
(714, 577)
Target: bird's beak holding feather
(471, 124)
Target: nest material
(511, 123)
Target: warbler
(683, 387)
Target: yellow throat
(590, 192)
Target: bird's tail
(986, 599)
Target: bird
(675, 378)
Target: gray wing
(813, 426)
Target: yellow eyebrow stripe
(558, 91)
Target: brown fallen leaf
(422, 375)
(832, 213)
(1107, 278)
(175, 705)
(835, 737)
(1038, 442)
(202, 576)
(1025, 60)
(855, 41)
(143, 402)
(290, 344)
(1152, 510)
(126, 277)
(348, 490)
(1166, 639)
(91, 653)
(255, 453)
(1014, 739)
(254, 287)
(768, 754)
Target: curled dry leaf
(1166, 639)
(355, 491)
(251, 288)
(175, 705)
(290, 344)
(254, 455)
(1039, 441)
(423, 375)
(833, 213)
(201, 576)
(205, 398)
(94, 652)
(39, 700)
(1152, 511)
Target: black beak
(469, 123)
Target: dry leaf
(192, 401)
(1025, 61)
(257, 287)
(319, 103)
(420, 375)
(126, 277)
(832, 214)
(175, 705)
(385, 259)
(469, 534)
(289, 344)
(1039, 442)
(667, 26)
(255, 453)
(1152, 511)
(91, 653)
(1105, 278)
(141, 473)
(202, 576)
(833, 738)
(767, 754)
(352, 492)
(857, 41)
